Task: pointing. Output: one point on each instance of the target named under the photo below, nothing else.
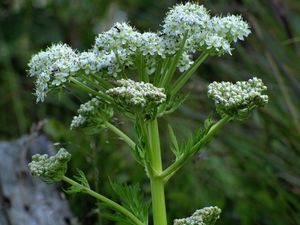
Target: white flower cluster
(123, 47)
(229, 98)
(127, 44)
(122, 40)
(182, 18)
(92, 62)
(93, 110)
(232, 27)
(151, 44)
(137, 93)
(203, 31)
(185, 62)
(151, 47)
(121, 36)
(50, 168)
(52, 68)
(205, 216)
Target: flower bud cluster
(203, 31)
(139, 94)
(92, 112)
(52, 68)
(233, 99)
(205, 216)
(51, 169)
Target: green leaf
(80, 178)
(208, 123)
(187, 146)
(111, 215)
(74, 189)
(174, 146)
(133, 200)
(172, 105)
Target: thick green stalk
(106, 200)
(157, 184)
(170, 171)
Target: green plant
(107, 74)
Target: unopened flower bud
(205, 216)
(239, 99)
(51, 169)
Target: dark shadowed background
(251, 170)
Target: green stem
(165, 68)
(143, 73)
(157, 184)
(106, 200)
(87, 89)
(186, 75)
(170, 171)
(92, 84)
(157, 74)
(168, 76)
(101, 81)
(121, 134)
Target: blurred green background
(251, 170)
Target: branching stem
(121, 134)
(89, 90)
(172, 169)
(168, 76)
(186, 75)
(157, 184)
(106, 200)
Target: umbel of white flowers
(52, 68)
(122, 47)
(205, 216)
(237, 100)
(51, 169)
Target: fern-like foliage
(81, 179)
(188, 147)
(133, 200)
(174, 143)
